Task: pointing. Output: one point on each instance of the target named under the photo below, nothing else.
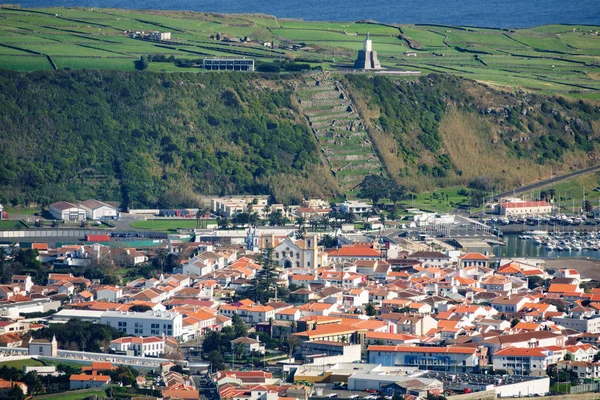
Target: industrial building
(67, 211)
(96, 210)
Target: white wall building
(96, 210)
(67, 211)
(153, 346)
(43, 347)
(355, 207)
(524, 208)
(299, 254)
(109, 293)
(522, 361)
(580, 324)
(149, 323)
(459, 359)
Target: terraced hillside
(339, 130)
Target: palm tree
(199, 214)
(253, 219)
(587, 206)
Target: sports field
(549, 59)
(167, 225)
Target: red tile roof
(524, 204)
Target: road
(547, 182)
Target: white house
(109, 293)
(355, 207)
(522, 361)
(248, 344)
(255, 313)
(153, 346)
(96, 210)
(67, 211)
(149, 323)
(431, 258)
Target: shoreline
(465, 27)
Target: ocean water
(484, 13)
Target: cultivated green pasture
(553, 59)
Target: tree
(514, 322)
(375, 188)
(292, 343)
(239, 327)
(223, 223)
(16, 393)
(277, 218)
(534, 282)
(370, 310)
(142, 63)
(199, 217)
(397, 193)
(588, 206)
(265, 280)
(568, 357)
(124, 375)
(33, 382)
(160, 259)
(140, 308)
(239, 350)
(328, 241)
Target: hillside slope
(441, 130)
(162, 140)
(151, 139)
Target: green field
(166, 225)
(18, 364)
(76, 394)
(570, 193)
(442, 200)
(11, 225)
(548, 59)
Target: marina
(545, 244)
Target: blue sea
(483, 13)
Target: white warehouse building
(67, 211)
(96, 210)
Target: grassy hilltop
(79, 121)
(547, 59)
